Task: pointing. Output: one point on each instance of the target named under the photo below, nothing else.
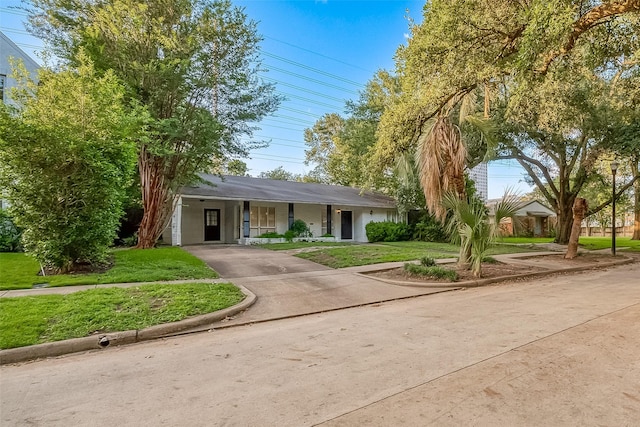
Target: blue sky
(319, 54)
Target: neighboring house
(235, 209)
(9, 49)
(532, 219)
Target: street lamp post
(614, 168)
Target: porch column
(246, 218)
(329, 211)
(290, 216)
(176, 224)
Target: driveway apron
(289, 286)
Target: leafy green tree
(279, 174)
(487, 49)
(67, 156)
(191, 63)
(341, 146)
(237, 167)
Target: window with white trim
(3, 81)
(262, 220)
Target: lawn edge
(114, 339)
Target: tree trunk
(157, 200)
(636, 202)
(563, 227)
(580, 209)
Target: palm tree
(472, 227)
(441, 159)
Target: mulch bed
(497, 270)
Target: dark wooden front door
(346, 229)
(211, 224)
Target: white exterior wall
(360, 218)
(193, 220)
(8, 49)
(311, 214)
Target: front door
(346, 231)
(211, 225)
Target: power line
(312, 69)
(319, 54)
(300, 76)
(323, 95)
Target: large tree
(486, 47)
(340, 146)
(190, 63)
(67, 156)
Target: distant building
(532, 219)
(9, 49)
(479, 175)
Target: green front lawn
(392, 251)
(20, 271)
(45, 318)
(622, 243)
(590, 243)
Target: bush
(327, 235)
(387, 231)
(289, 235)
(427, 261)
(300, 229)
(429, 231)
(271, 235)
(436, 272)
(9, 233)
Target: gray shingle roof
(270, 190)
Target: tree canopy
(192, 64)
(67, 155)
(541, 70)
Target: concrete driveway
(289, 286)
(234, 261)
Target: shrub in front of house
(429, 231)
(271, 235)
(387, 231)
(300, 229)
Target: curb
(103, 341)
(488, 281)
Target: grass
(300, 245)
(20, 271)
(587, 242)
(622, 243)
(378, 253)
(392, 251)
(45, 318)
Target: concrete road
(556, 351)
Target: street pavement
(559, 350)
